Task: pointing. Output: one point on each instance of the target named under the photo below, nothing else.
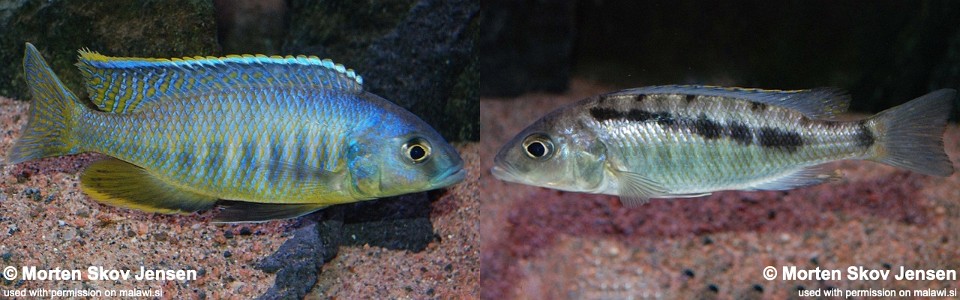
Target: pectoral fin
(118, 183)
(636, 189)
(241, 211)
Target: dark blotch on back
(640, 97)
(757, 106)
(779, 139)
(864, 136)
(690, 98)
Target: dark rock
(251, 26)
(118, 28)
(414, 53)
(398, 223)
(330, 227)
(297, 264)
(526, 46)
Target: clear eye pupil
(417, 152)
(536, 149)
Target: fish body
(278, 136)
(688, 141)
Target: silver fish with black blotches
(689, 141)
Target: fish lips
(505, 171)
(451, 176)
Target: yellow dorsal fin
(124, 84)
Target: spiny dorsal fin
(123, 84)
(815, 103)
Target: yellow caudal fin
(52, 113)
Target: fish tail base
(911, 135)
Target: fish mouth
(451, 176)
(502, 173)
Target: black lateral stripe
(604, 114)
(665, 119)
(864, 136)
(635, 115)
(740, 133)
(707, 128)
(779, 139)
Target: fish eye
(538, 146)
(416, 150)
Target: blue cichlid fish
(279, 136)
(689, 141)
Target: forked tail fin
(52, 113)
(911, 135)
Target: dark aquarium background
(883, 52)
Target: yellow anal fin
(240, 211)
(118, 183)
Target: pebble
(70, 234)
